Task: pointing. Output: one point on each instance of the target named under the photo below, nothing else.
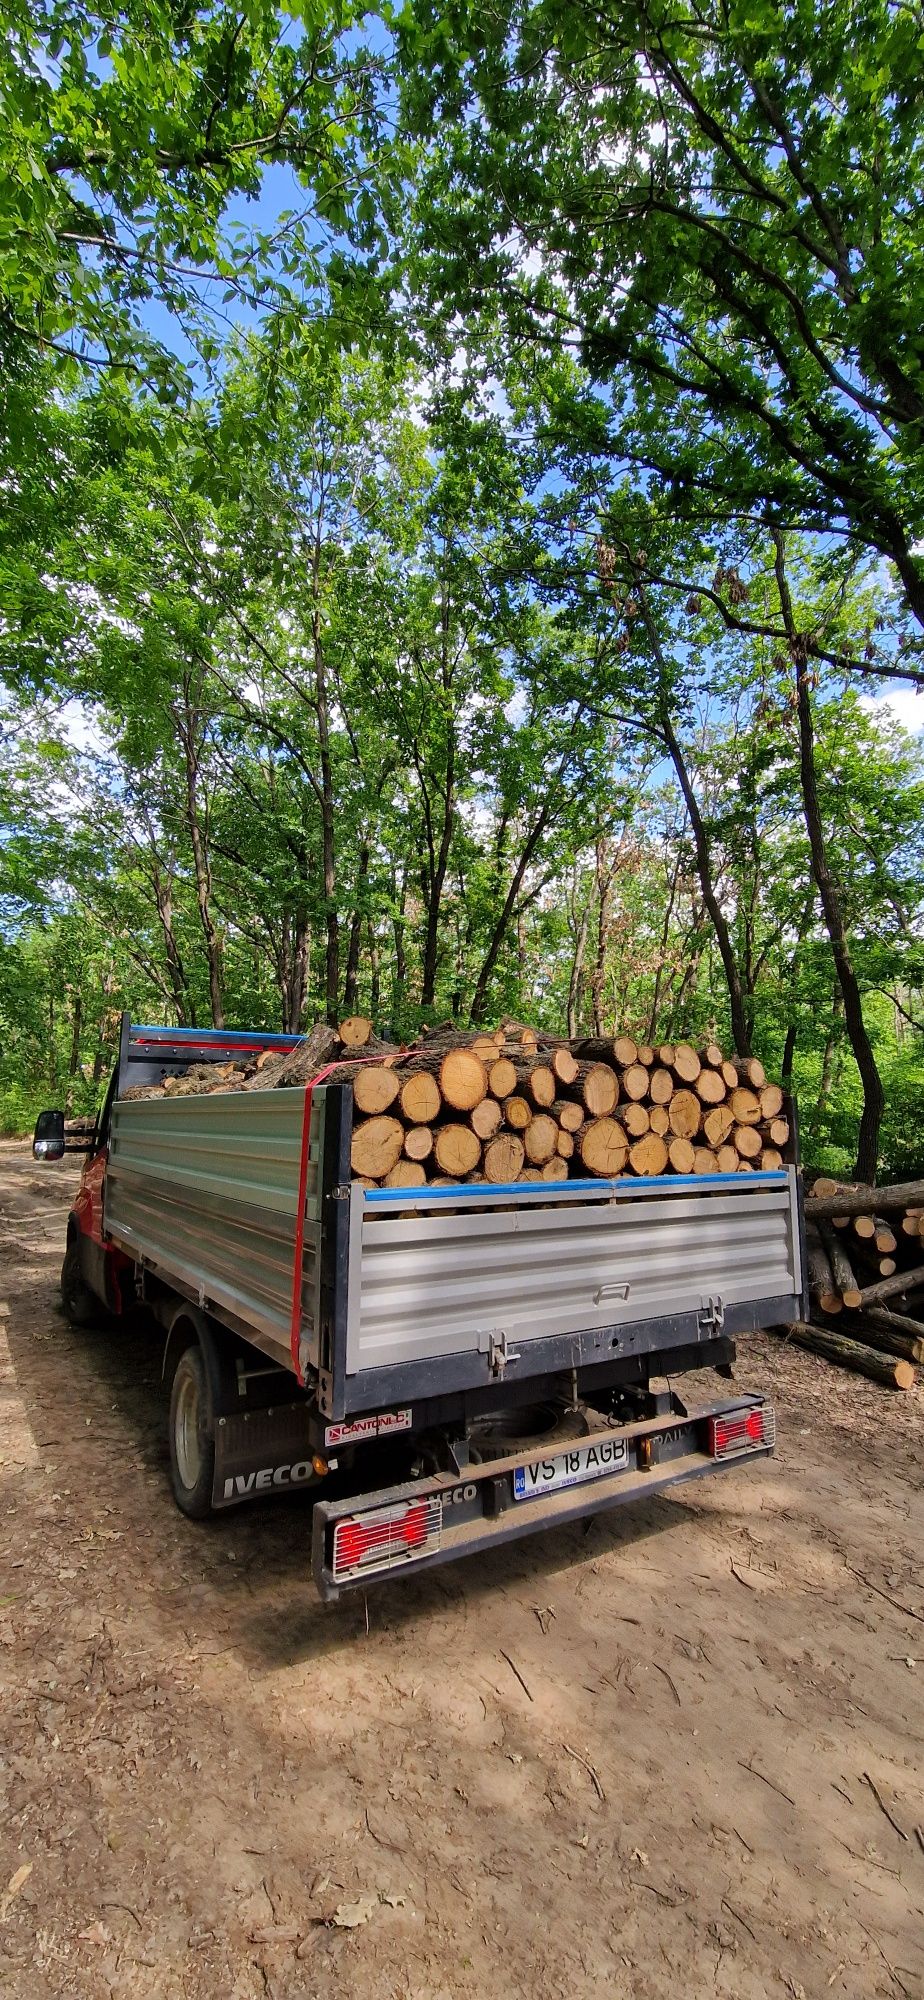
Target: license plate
(570, 1468)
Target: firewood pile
(516, 1104)
(865, 1255)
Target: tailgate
(464, 1271)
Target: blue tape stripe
(220, 1036)
(467, 1191)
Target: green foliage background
(391, 612)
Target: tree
(129, 131)
(714, 208)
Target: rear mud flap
(262, 1451)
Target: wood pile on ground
(865, 1257)
(517, 1104)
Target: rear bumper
(476, 1510)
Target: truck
(446, 1368)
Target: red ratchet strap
(295, 1323)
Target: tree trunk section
(873, 1097)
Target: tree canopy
(461, 521)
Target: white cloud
(905, 705)
(81, 727)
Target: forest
(462, 532)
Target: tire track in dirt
(202, 1765)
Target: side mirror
(48, 1137)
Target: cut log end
(486, 1117)
(420, 1098)
(599, 1089)
(376, 1147)
(636, 1082)
(407, 1173)
(685, 1114)
(463, 1079)
(517, 1113)
(502, 1078)
(418, 1143)
(710, 1086)
(660, 1086)
(686, 1063)
(540, 1139)
(541, 1085)
(355, 1031)
(374, 1089)
(648, 1156)
(565, 1066)
(504, 1158)
(718, 1124)
(458, 1150)
(603, 1147)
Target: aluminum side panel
(205, 1189)
(434, 1284)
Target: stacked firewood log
(516, 1104)
(865, 1256)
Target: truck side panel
(205, 1191)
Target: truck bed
(383, 1296)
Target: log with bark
(827, 1198)
(516, 1103)
(830, 1346)
(820, 1275)
(891, 1288)
(866, 1328)
(841, 1268)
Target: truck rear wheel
(192, 1436)
(81, 1307)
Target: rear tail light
(386, 1536)
(741, 1431)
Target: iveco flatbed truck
(448, 1367)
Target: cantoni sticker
(362, 1428)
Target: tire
(81, 1306)
(192, 1436)
(496, 1436)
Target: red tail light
(740, 1431)
(386, 1536)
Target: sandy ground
(213, 1786)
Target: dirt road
(213, 1788)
